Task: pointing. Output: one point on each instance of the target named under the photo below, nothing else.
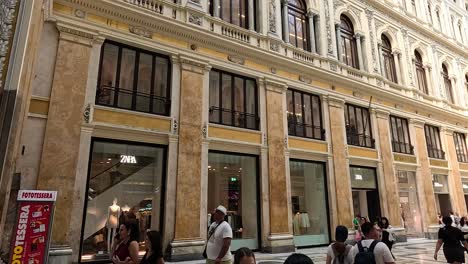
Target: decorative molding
(195, 19)
(87, 113)
(205, 130)
(335, 101)
(140, 31)
(358, 94)
(175, 126)
(74, 34)
(370, 18)
(274, 46)
(8, 16)
(194, 65)
(305, 79)
(328, 28)
(275, 86)
(236, 59)
(272, 17)
(80, 13)
(404, 31)
(273, 70)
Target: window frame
(247, 18)
(296, 13)
(293, 124)
(400, 143)
(353, 138)
(349, 57)
(389, 60)
(420, 73)
(116, 90)
(447, 84)
(460, 147)
(232, 111)
(433, 142)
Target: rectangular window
(233, 100)
(434, 145)
(460, 147)
(309, 203)
(358, 127)
(133, 79)
(125, 183)
(232, 182)
(401, 141)
(304, 115)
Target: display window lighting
(358, 177)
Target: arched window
(430, 13)
(460, 31)
(420, 73)
(297, 23)
(233, 11)
(439, 23)
(447, 84)
(348, 43)
(389, 62)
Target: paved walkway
(414, 251)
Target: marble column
(389, 178)
(59, 162)
(251, 13)
(396, 58)
(310, 16)
(189, 240)
(359, 51)
(338, 41)
(280, 238)
(284, 15)
(454, 177)
(424, 176)
(340, 161)
(216, 8)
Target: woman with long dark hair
(244, 256)
(127, 250)
(451, 238)
(153, 246)
(387, 237)
(338, 251)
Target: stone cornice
(335, 101)
(417, 122)
(193, 64)
(381, 113)
(78, 35)
(273, 85)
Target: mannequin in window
(112, 222)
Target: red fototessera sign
(30, 239)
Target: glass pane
(298, 113)
(239, 100)
(225, 10)
(144, 82)
(299, 33)
(232, 182)
(251, 104)
(108, 74)
(317, 122)
(124, 185)
(292, 30)
(440, 183)
(309, 203)
(235, 12)
(308, 116)
(127, 71)
(161, 84)
(363, 178)
(290, 111)
(226, 99)
(214, 97)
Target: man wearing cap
(219, 239)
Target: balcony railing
(462, 157)
(359, 139)
(402, 147)
(132, 100)
(435, 153)
(234, 118)
(305, 130)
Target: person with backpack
(451, 238)
(370, 250)
(337, 252)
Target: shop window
(304, 115)
(233, 100)
(297, 24)
(233, 183)
(460, 147)
(309, 200)
(420, 72)
(401, 141)
(348, 47)
(133, 79)
(389, 61)
(434, 145)
(441, 193)
(447, 84)
(234, 11)
(125, 184)
(366, 202)
(358, 127)
(409, 203)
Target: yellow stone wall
(134, 120)
(235, 135)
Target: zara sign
(128, 159)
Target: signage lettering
(128, 159)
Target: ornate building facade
(296, 115)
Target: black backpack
(365, 255)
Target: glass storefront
(232, 182)
(125, 183)
(309, 203)
(366, 202)
(441, 192)
(465, 189)
(409, 203)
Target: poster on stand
(31, 235)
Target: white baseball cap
(222, 209)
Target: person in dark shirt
(153, 245)
(451, 237)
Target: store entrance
(366, 203)
(443, 203)
(441, 193)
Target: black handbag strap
(214, 230)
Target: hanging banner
(30, 239)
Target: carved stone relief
(272, 16)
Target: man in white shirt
(381, 252)
(219, 239)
